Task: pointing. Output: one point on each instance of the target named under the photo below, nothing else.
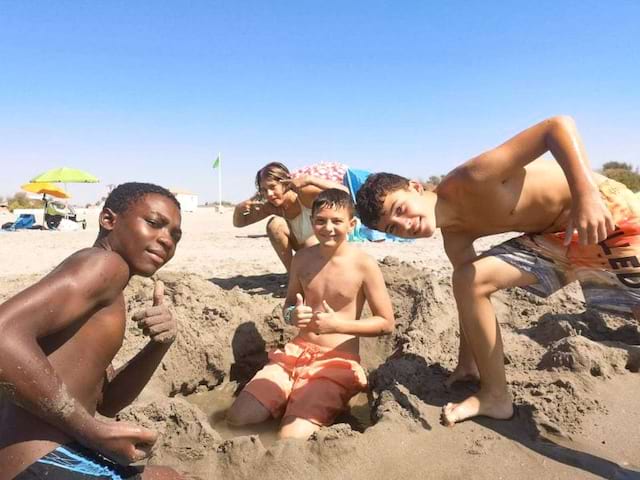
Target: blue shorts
(75, 462)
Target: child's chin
(146, 271)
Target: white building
(188, 201)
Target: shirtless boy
(310, 381)
(287, 201)
(507, 190)
(60, 335)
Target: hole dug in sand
(224, 337)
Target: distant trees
(623, 173)
(20, 200)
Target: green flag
(216, 163)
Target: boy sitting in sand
(310, 381)
(507, 190)
(60, 335)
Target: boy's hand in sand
(123, 442)
(157, 322)
(591, 218)
(325, 322)
(302, 314)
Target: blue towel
(353, 180)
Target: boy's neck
(329, 252)
(445, 214)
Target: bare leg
(296, 427)
(473, 284)
(466, 370)
(246, 410)
(282, 240)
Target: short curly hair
(371, 196)
(125, 194)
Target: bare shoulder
(459, 181)
(98, 272)
(365, 261)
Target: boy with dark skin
(60, 335)
(508, 189)
(309, 381)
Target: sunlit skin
(506, 189)
(328, 285)
(282, 199)
(74, 316)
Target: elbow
(562, 123)
(389, 327)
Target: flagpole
(219, 183)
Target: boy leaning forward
(577, 225)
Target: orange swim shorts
(608, 272)
(307, 381)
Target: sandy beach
(573, 372)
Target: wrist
(287, 315)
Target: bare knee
(277, 227)
(470, 279)
(246, 410)
(295, 427)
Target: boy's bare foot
(463, 374)
(498, 407)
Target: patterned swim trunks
(308, 381)
(75, 462)
(608, 272)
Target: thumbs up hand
(157, 322)
(302, 314)
(325, 321)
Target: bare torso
(80, 354)
(535, 199)
(338, 281)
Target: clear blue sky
(151, 91)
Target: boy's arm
(459, 248)
(70, 294)
(559, 136)
(382, 320)
(124, 385)
(309, 187)
(251, 211)
(299, 314)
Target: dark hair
(274, 170)
(371, 195)
(335, 199)
(124, 195)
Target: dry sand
(573, 373)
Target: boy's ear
(107, 219)
(352, 224)
(416, 186)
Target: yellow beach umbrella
(45, 188)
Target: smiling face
(332, 225)
(408, 212)
(145, 234)
(275, 193)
